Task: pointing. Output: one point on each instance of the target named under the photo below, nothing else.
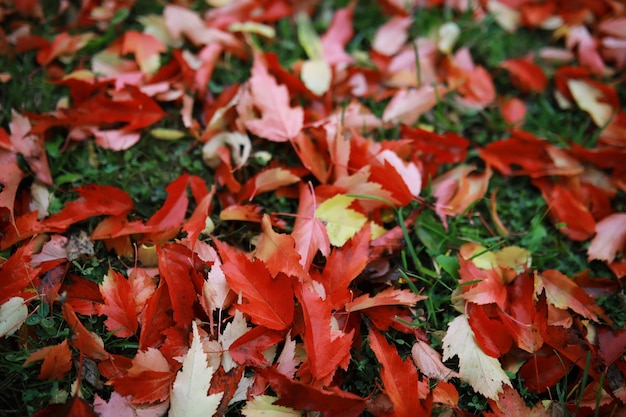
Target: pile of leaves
(311, 242)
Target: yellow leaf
(308, 37)
(263, 405)
(167, 134)
(253, 27)
(341, 222)
(377, 231)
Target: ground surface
(260, 208)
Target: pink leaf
(610, 238)
(279, 122)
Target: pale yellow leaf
(590, 99)
(507, 17)
(253, 27)
(316, 75)
(263, 406)
(446, 36)
(341, 222)
(188, 396)
(308, 37)
(483, 372)
(167, 134)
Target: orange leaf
(278, 251)
(511, 404)
(146, 49)
(268, 180)
(148, 380)
(563, 293)
(57, 361)
(390, 296)
(458, 189)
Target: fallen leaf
(610, 238)
(341, 222)
(279, 122)
(263, 405)
(343, 265)
(390, 296)
(407, 105)
(119, 405)
(591, 100)
(299, 396)
(484, 373)
(13, 313)
(316, 75)
(327, 348)
(526, 75)
(400, 379)
(57, 361)
(510, 404)
(119, 305)
(188, 396)
(428, 361)
(563, 293)
(268, 301)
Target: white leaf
(188, 396)
(12, 315)
(233, 331)
(483, 372)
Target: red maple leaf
(248, 349)
(268, 301)
(156, 318)
(327, 349)
(119, 305)
(184, 282)
(343, 265)
(525, 74)
(294, 394)
(400, 379)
